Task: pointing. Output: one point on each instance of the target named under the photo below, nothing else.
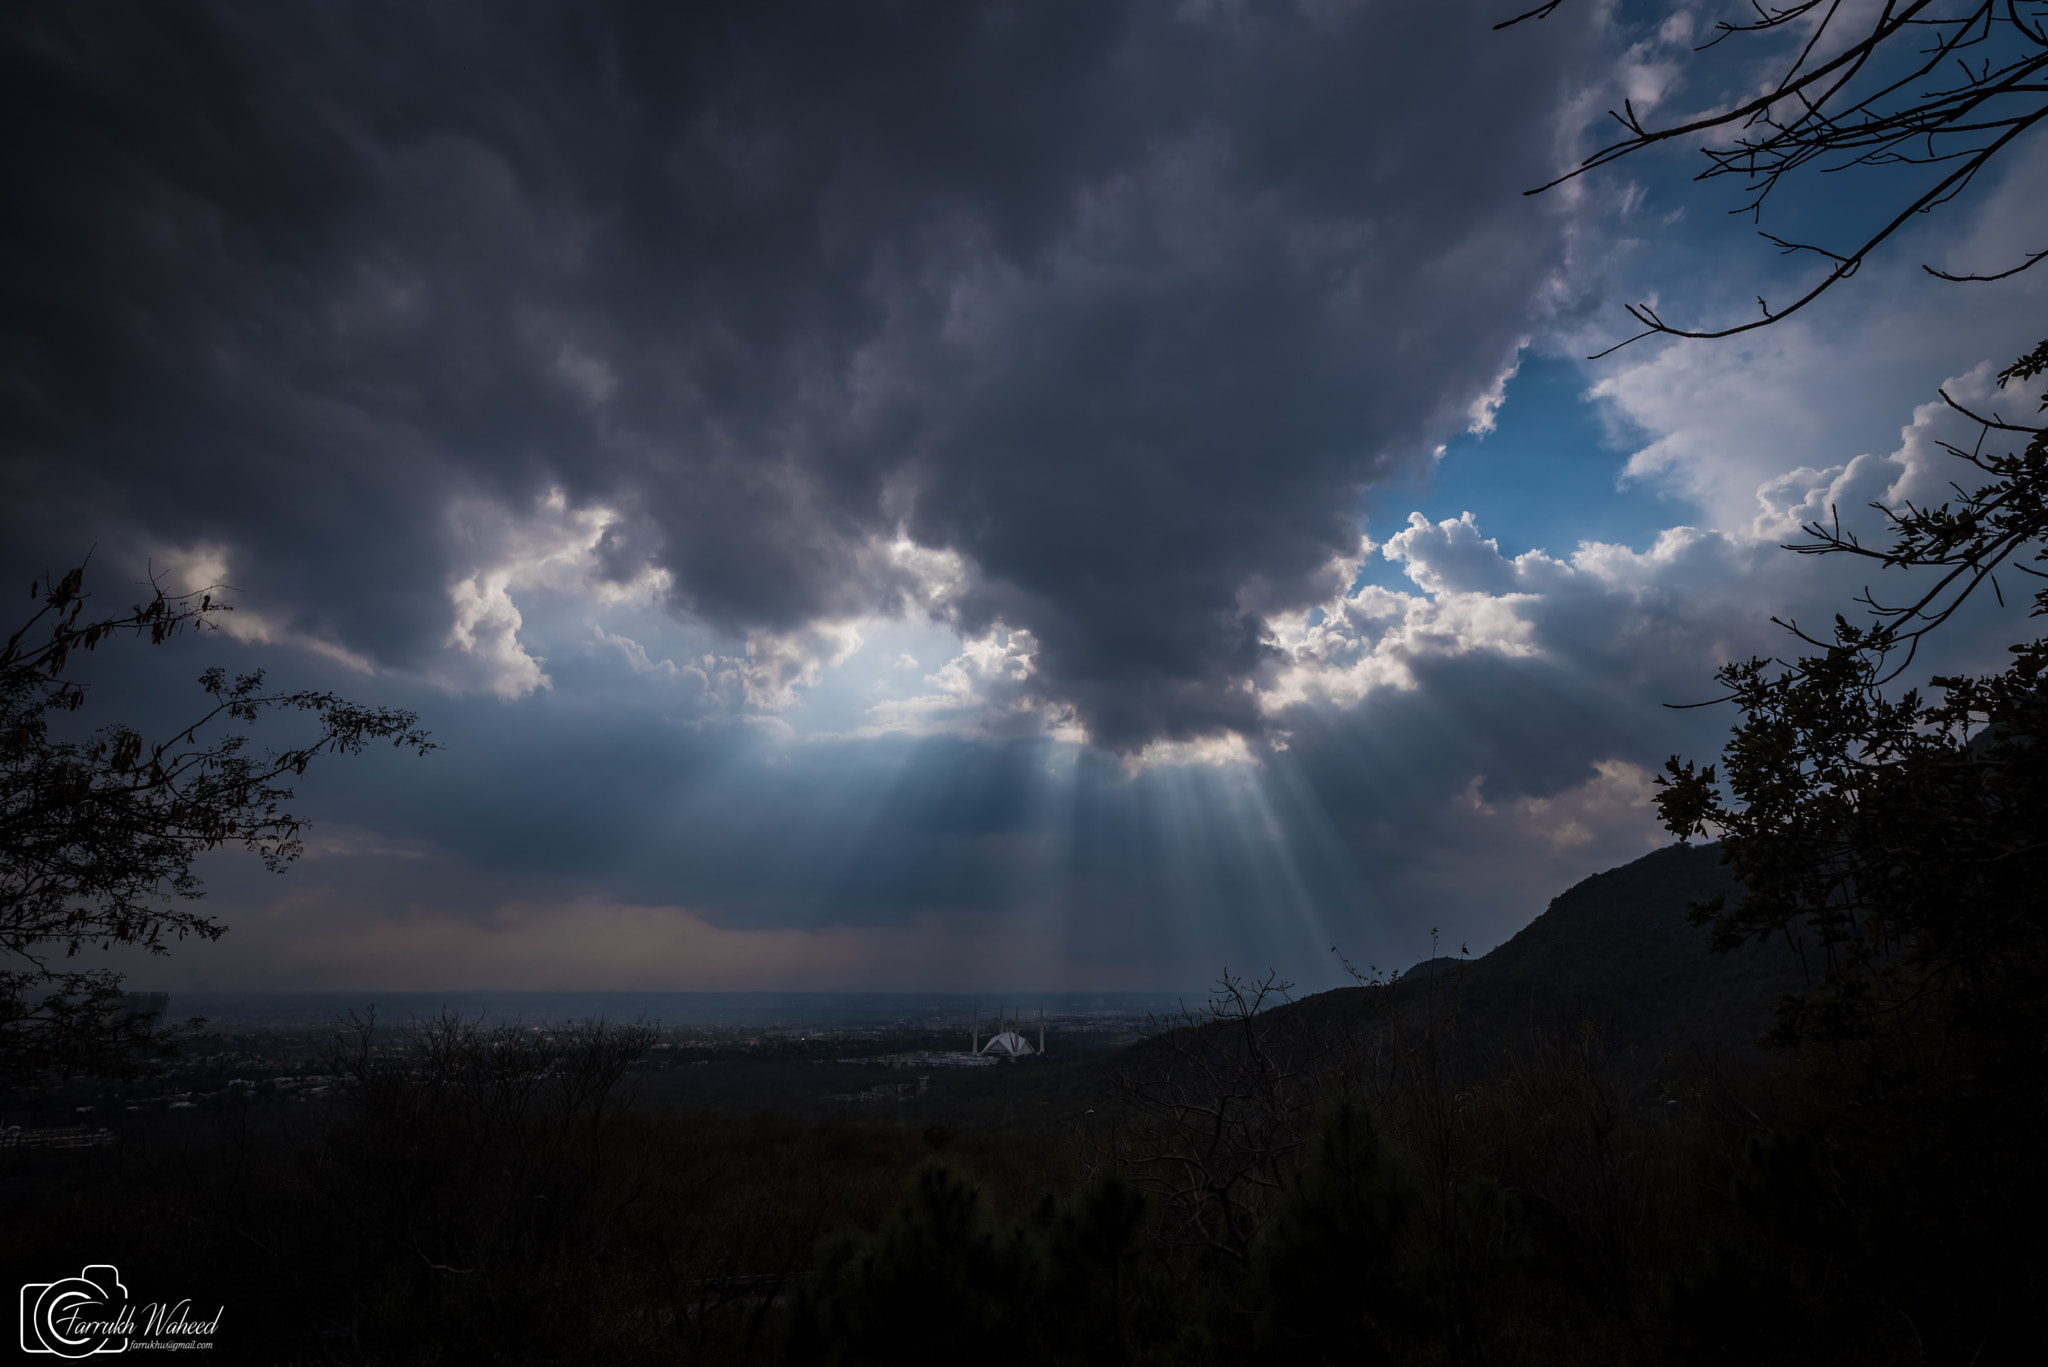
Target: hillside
(1615, 950)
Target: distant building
(1010, 1044)
(149, 1006)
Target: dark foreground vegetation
(1482, 1162)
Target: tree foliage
(98, 835)
(943, 1281)
(1943, 85)
(1900, 841)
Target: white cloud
(1482, 416)
(775, 668)
(556, 551)
(486, 630)
(636, 657)
(988, 690)
(1724, 419)
(1605, 610)
(929, 581)
(1792, 406)
(555, 547)
(1220, 751)
(203, 567)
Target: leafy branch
(98, 837)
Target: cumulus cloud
(776, 668)
(1606, 611)
(554, 547)
(1764, 436)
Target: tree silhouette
(1898, 841)
(97, 837)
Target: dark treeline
(1359, 1181)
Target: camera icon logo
(77, 1316)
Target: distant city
(244, 1011)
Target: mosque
(1008, 1042)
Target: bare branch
(1540, 12)
(1868, 105)
(2033, 259)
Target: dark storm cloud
(1123, 303)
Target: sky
(1050, 496)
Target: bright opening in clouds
(979, 495)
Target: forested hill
(1615, 950)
